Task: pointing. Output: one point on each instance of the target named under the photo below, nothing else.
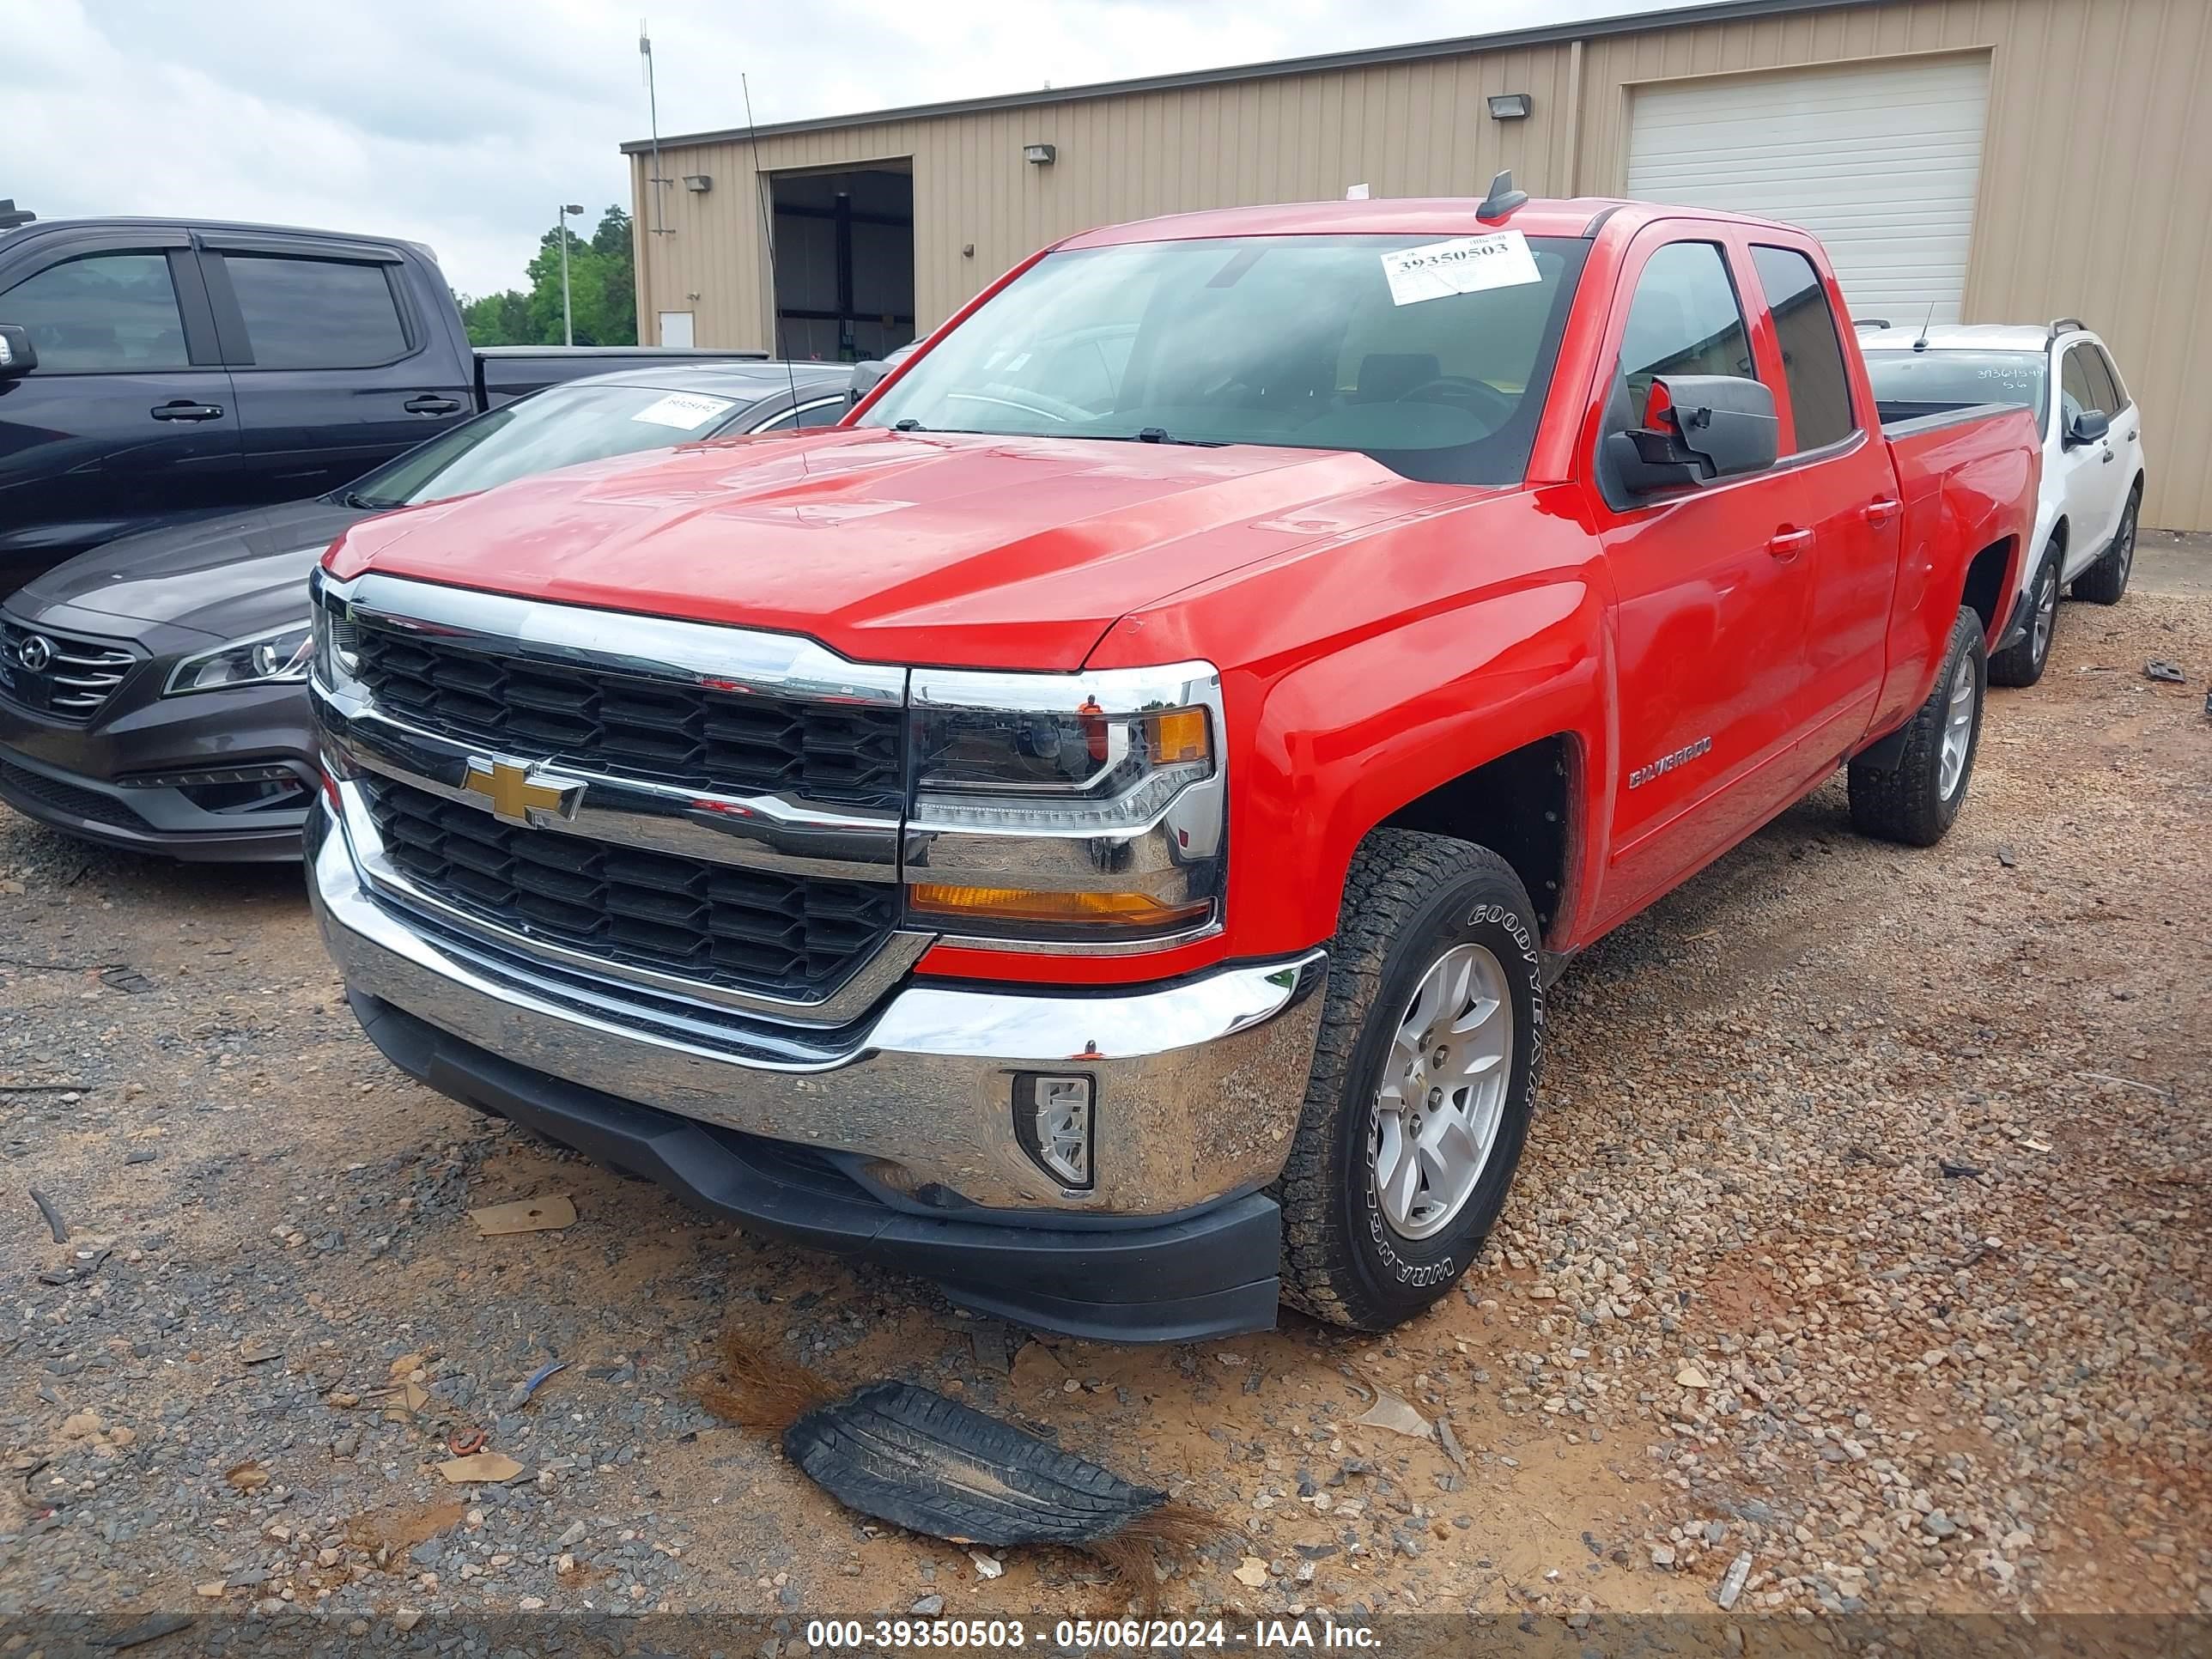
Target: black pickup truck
(152, 370)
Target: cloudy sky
(465, 123)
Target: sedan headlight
(1053, 809)
(278, 657)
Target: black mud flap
(928, 1463)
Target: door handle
(430, 405)
(1878, 513)
(184, 410)
(1787, 544)
(2108, 457)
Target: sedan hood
(228, 576)
(953, 548)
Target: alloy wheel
(1437, 1114)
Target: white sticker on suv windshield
(1466, 264)
(687, 411)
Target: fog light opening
(1052, 1120)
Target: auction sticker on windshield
(687, 411)
(1466, 264)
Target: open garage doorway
(844, 259)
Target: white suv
(2092, 470)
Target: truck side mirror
(2088, 427)
(1697, 427)
(867, 377)
(17, 354)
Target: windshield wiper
(359, 502)
(1155, 434)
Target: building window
(1812, 356)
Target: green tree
(602, 293)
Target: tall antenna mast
(653, 105)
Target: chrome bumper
(1197, 1085)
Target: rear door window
(104, 312)
(316, 313)
(1683, 320)
(1812, 355)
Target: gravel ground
(1862, 1238)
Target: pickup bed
(155, 370)
(1096, 830)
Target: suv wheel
(1422, 1085)
(2023, 664)
(2102, 582)
(1919, 800)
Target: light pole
(568, 328)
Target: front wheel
(1423, 1081)
(1918, 800)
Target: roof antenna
(1502, 200)
(765, 189)
(1921, 344)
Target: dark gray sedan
(152, 691)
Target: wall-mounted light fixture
(699, 183)
(1509, 106)
(1040, 156)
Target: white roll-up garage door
(1879, 160)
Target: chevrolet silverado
(1095, 829)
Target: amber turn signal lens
(1024, 904)
(1180, 736)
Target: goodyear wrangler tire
(1423, 1081)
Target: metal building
(1980, 161)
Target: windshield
(1309, 341)
(1946, 380)
(558, 427)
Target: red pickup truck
(1095, 829)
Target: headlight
(1060, 808)
(336, 657)
(278, 657)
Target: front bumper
(140, 819)
(71, 775)
(905, 1114)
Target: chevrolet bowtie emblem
(518, 797)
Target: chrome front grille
(713, 924)
(690, 811)
(65, 675)
(701, 736)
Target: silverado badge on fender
(1665, 763)
(518, 797)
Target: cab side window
(1812, 356)
(104, 312)
(1683, 320)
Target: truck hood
(952, 549)
(228, 576)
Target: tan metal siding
(2092, 200)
